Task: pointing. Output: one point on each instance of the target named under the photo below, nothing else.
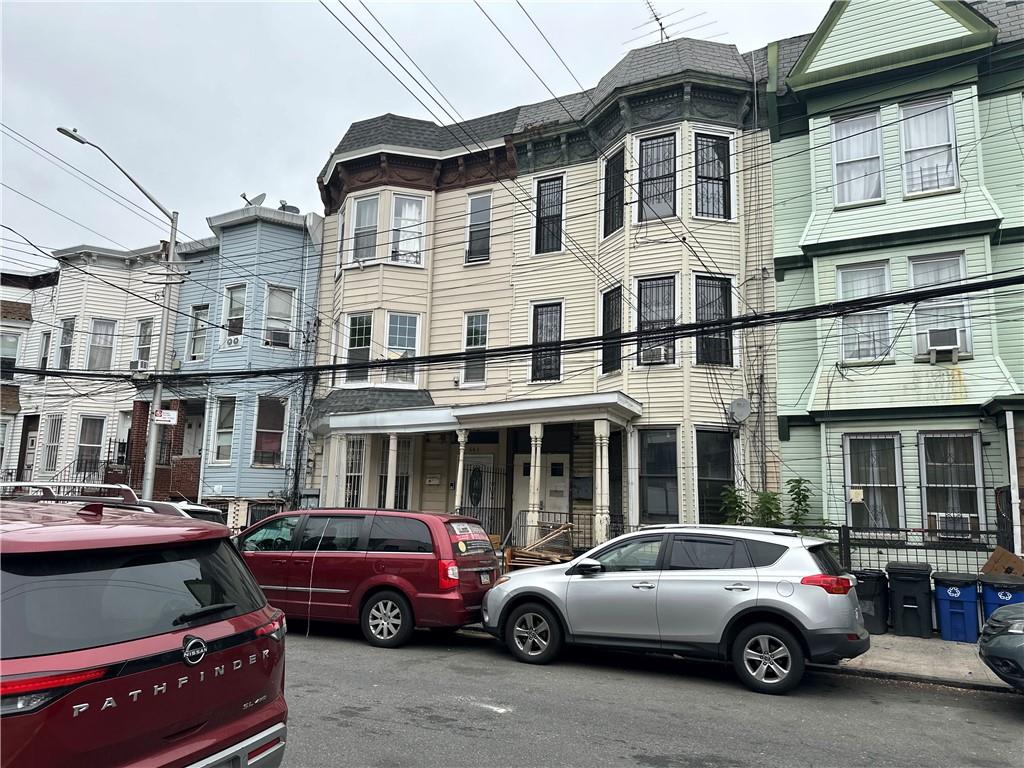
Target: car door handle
(278, 562)
(738, 588)
(643, 585)
(301, 562)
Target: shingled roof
(1007, 15)
(371, 399)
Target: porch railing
(579, 538)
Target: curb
(909, 678)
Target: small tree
(767, 511)
(734, 506)
(799, 493)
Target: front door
(327, 567)
(477, 484)
(267, 550)
(554, 485)
(621, 601)
(31, 439)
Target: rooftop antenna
(657, 20)
(258, 200)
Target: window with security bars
(715, 472)
(611, 326)
(163, 445)
(713, 302)
(402, 472)
(549, 216)
(929, 156)
(479, 241)
(547, 329)
(614, 197)
(268, 449)
(951, 483)
(354, 470)
(359, 328)
(278, 322)
(657, 177)
(475, 367)
(51, 448)
(656, 311)
(713, 193)
(874, 485)
(261, 510)
(402, 332)
(865, 335)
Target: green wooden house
(898, 162)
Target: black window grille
(713, 304)
(549, 215)
(611, 325)
(614, 179)
(713, 196)
(547, 328)
(657, 310)
(657, 177)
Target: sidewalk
(919, 660)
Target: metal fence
(578, 538)
(483, 497)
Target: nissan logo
(194, 649)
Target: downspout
(1017, 544)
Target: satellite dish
(739, 410)
(258, 200)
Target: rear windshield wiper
(204, 611)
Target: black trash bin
(873, 594)
(911, 598)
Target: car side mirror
(234, 540)
(588, 566)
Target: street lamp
(149, 469)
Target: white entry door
(554, 485)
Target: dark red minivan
(389, 571)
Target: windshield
(65, 601)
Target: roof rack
(714, 526)
(124, 492)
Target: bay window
(657, 177)
(656, 311)
(478, 246)
(359, 329)
(101, 345)
(408, 230)
(278, 317)
(548, 236)
(929, 159)
(268, 448)
(658, 476)
(67, 335)
(874, 480)
(715, 473)
(940, 322)
(364, 237)
(546, 364)
(857, 159)
(402, 335)
(712, 169)
(713, 298)
(865, 335)
(951, 482)
(614, 188)
(475, 367)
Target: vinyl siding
(802, 453)
(1002, 128)
(1009, 316)
(792, 191)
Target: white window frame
(387, 349)
(904, 165)
(225, 307)
(52, 450)
(535, 219)
(45, 351)
(712, 130)
(336, 336)
(734, 297)
(487, 338)
(339, 252)
(979, 474)
(967, 340)
(193, 329)
(393, 239)
(634, 171)
(18, 337)
(470, 196)
(284, 432)
(877, 114)
(70, 346)
(561, 335)
(356, 202)
(891, 351)
(92, 337)
(897, 439)
(291, 318)
(623, 322)
(634, 319)
(214, 431)
(138, 340)
(78, 436)
(347, 340)
(355, 463)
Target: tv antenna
(258, 200)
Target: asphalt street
(462, 701)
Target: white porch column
(1011, 452)
(602, 519)
(533, 507)
(327, 471)
(340, 470)
(462, 434)
(389, 494)
(631, 445)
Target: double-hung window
(657, 177)
(234, 309)
(951, 482)
(940, 324)
(857, 159)
(865, 335)
(475, 366)
(364, 238)
(402, 334)
(713, 297)
(67, 336)
(656, 311)
(101, 345)
(658, 476)
(90, 444)
(614, 187)
(408, 230)
(478, 243)
(143, 343)
(225, 429)
(279, 312)
(715, 472)
(268, 449)
(929, 158)
(44, 351)
(547, 329)
(359, 329)
(548, 236)
(198, 330)
(874, 480)
(9, 343)
(611, 328)
(712, 166)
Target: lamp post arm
(130, 178)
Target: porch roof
(614, 406)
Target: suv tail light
(25, 694)
(447, 574)
(276, 628)
(834, 585)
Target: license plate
(485, 578)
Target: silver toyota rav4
(765, 599)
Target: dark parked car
(134, 639)
(1001, 645)
(388, 571)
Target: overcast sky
(202, 101)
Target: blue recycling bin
(998, 590)
(956, 606)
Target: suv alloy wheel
(767, 658)
(386, 620)
(533, 634)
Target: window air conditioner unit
(233, 341)
(943, 340)
(954, 526)
(138, 365)
(654, 355)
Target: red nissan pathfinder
(129, 638)
(389, 571)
